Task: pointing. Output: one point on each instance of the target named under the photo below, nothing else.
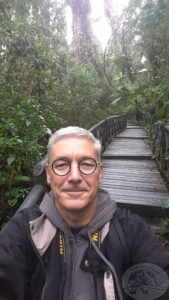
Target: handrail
(104, 131)
(108, 128)
(34, 197)
(161, 147)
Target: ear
(48, 175)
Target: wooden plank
(131, 176)
(127, 148)
(146, 211)
(132, 173)
(132, 164)
(141, 180)
(155, 198)
(133, 133)
(135, 185)
(129, 126)
(138, 204)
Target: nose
(74, 174)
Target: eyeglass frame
(75, 164)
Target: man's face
(74, 191)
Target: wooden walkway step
(131, 175)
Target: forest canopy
(47, 83)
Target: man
(77, 245)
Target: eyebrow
(67, 159)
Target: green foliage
(166, 219)
(20, 148)
(138, 71)
(42, 86)
(44, 83)
(81, 100)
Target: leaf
(19, 141)
(141, 89)
(10, 159)
(12, 202)
(23, 178)
(120, 61)
(166, 203)
(28, 123)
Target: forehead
(73, 146)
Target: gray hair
(74, 131)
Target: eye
(87, 166)
(61, 164)
(87, 163)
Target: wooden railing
(104, 131)
(108, 128)
(161, 147)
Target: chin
(77, 205)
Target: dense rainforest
(46, 82)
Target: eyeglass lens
(62, 167)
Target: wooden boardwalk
(131, 175)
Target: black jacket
(27, 275)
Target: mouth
(74, 192)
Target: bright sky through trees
(100, 25)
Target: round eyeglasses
(62, 167)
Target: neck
(77, 218)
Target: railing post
(161, 147)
